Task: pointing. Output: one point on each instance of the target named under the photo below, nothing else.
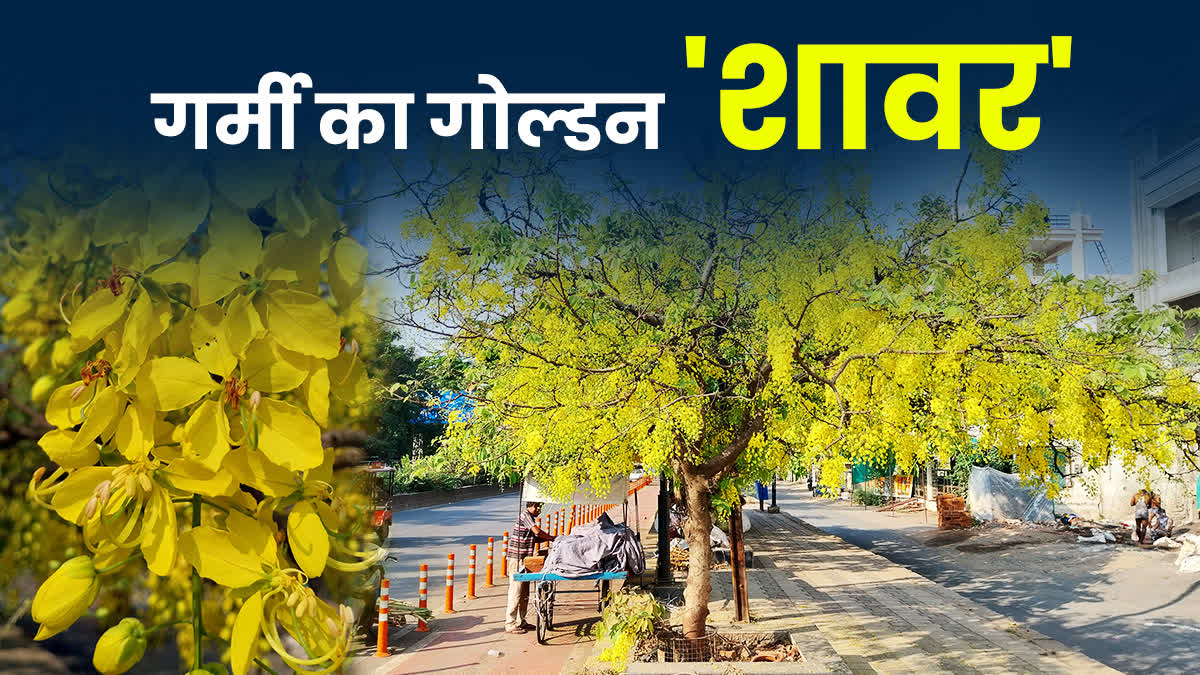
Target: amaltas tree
(717, 331)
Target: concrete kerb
(367, 664)
(417, 500)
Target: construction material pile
(952, 513)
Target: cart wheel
(549, 589)
(544, 608)
(543, 614)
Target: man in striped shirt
(521, 542)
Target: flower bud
(61, 354)
(41, 389)
(120, 647)
(65, 596)
(32, 355)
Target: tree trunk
(696, 531)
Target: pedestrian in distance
(522, 541)
(1161, 524)
(1141, 512)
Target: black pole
(664, 575)
(760, 488)
(637, 519)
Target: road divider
(423, 598)
(491, 558)
(449, 583)
(471, 573)
(381, 640)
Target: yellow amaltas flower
(65, 596)
(246, 557)
(321, 524)
(120, 508)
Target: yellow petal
(348, 377)
(215, 279)
(303, 323)
(209, 341)
(135, 432)
(101, 417)
(159, 545)
(72, 496)
(346, 270)
(179, 202)
(316, 395)
(95, 316)
(256, 535)
(189, 475)
(217, 555)
(175, 272)
(147, 320)
(307, 538)
(242, 324)
(288, 437)
(173, 382)
(254, 469)
(60, 447)
(268, 367)
(235, 237)
(206, 435)
(65, 412)
(243, 641)
(120, 217)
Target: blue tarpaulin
(438, 410)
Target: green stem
(197, 619)
(163, 626)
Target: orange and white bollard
(491, 556)
(504, 560)
(571, 522)
(423, 598)
(471, 574)
(381, 640)
(449, 583)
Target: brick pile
(952, 513)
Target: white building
(1069, 234)
(1165, 206)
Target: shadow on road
(1126, 607)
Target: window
(1183, 233)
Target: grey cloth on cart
(599, 546)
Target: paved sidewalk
(461, 642)
(878, 616)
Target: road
(427, 535)
(1126, 607)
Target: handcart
(546, 588)
(378, 482)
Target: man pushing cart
(601, 551)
